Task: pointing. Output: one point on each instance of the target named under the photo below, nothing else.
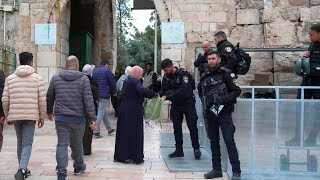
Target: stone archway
(103, 31)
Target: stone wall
(48, 59)
(252, 23)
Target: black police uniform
(219, 89)
(311, 80)
(178, 88)
(228, 58)
(201, 62)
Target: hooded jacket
(70, 94)
(24, 95)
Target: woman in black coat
(87, 137)
(129, 136)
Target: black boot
(213, 174)
(236, 176)
(197, 153)
(176, 153)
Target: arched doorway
(86, 29)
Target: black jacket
(233, 91)
(228, 58)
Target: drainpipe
(4, 26)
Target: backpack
(243, 60)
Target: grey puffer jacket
(70, 94)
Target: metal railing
(280, 112)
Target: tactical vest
(314, 59)
(147, 79)
(213, 86)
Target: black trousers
(309, 94)
(224, 121)
(177, 112)
(87, 139)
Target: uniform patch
(233, 75)
(228, 49)
(185, 79)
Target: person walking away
(69, 100)
(107, 88)
(24, 103)
(87, 137)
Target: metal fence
(7, 59)
(264, 127)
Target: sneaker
(176, 153)
(293, 142)
(20, 175)
(62, 177)
(79, 171)
(97, 135)
(28, 173)
(111, 131)
(197, 153)
(213, 174)
(236, 176)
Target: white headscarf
(88, 69)
(127, 70)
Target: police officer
(219, 94)
(201, 61)
(313, 79)
(177, 86)
(225, 49)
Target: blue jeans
(102, 115)
(25, 132)
(69, 133)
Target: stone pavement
(100, 165)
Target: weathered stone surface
(260, 65)
(305, 14)
(290, 13)
(244, 80)
(46, 59)
(270, 15)
(302, 33)
(44, 73)
(175, 12)
(213, 27)
(315, 2)
(260, 55)
(232, 18)
(216, 7)
(244, 36)
(188, 27)
(24, 9)
(291, 2)
(173, 54)
(250, 4)
(187, 7)
(284, 61)
(248, 16)
(205, 27)
(287, 79)
(193, 37)
(220, 16)
(196, 27)
(283, 34)
(203, 7)
(315, 13)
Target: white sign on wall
(45, 33)
(172, 32)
